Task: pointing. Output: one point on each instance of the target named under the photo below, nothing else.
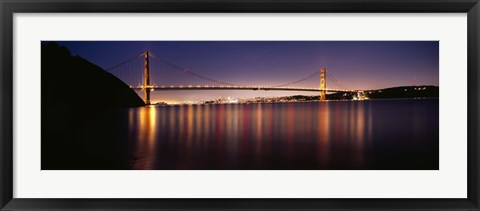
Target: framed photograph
(255, 105)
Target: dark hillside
(74, 94)
(424, 91)
(406, 92)
(74, 81)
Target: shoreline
(312, 101)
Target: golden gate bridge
(128, 72)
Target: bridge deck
(254, 88)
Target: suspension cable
(185, 70)
(298, 81)
(337, 82)
(125, 62)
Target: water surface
(372, 134)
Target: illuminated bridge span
(138, 73)
(254, 88)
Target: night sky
(357, 64)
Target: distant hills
(394, 92)
(406, 92)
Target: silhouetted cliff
(74, 81)
(75, 94)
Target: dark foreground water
(373, 134)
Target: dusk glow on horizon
(361, 65)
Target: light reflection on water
(378, 134)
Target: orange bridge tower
(323, 84)
(146, 79)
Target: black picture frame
(9, 7)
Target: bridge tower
(323, 84)
(146, 79)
